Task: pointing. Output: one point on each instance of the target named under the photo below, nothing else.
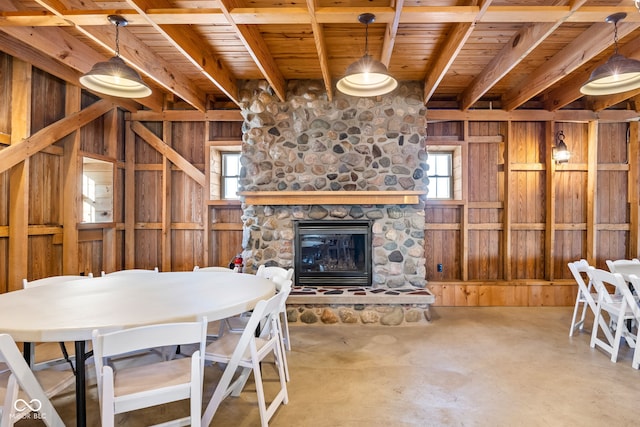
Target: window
(440, 175)
(230, 176)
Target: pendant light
(618, 74)
(114, 77)
(366, 76)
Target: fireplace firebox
(332, 253)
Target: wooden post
(592, 176)
(464, 217)
(109, 249)
(506, 232)
(634, 181)
(129, 197)
(71, 183)
(206, 216)
(550, 202)
(18, 263)
(165, 237)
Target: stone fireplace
(312, 160)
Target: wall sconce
(559, 152)
(366, 76)
(114, 77)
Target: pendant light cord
(117, 39)
(366, 39)
(615, 36)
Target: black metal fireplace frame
(333, 278)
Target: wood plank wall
(506, 241)
(523, 217)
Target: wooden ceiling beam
(187, 42)
(520, 45)
(87, 15)
(577, 53)
(321, 48)
(390, 33)
(459, 34)
(257, 49)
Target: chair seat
(222, 349)
(152, 377)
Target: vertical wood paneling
(45, 185)
(225, 244)
(47, 100)
(148, 249)
(570, 246)
(485, 260)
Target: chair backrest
(579, 271)
(601, 279)
(22, 377)
(277, 274)
(631, 300)
(264, 318)
(131, 271)
(205, 269)
(125, 341)
(613, 264)
(52, 280)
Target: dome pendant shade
(366, 77)
(618, 74)
(115, 78)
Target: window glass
(230, 175)
(440, 175)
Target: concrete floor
(468, 367)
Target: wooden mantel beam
(409, 197)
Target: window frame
(224, 176)
(455, 152)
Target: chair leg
(285, 331)
(9, 413)
(575, 314)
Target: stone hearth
(359, 305)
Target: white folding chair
(49, 281)
(246, 351)
(131, 271)
(632, 302)
(279, 275)
(23, 391)
(131, 387)
(587, 296)
(618, 312)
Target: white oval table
(71, 311)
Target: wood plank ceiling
(470, 54)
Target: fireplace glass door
(333, 253)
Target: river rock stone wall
(309, 143)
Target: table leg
(81, 392)
(26, 352)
